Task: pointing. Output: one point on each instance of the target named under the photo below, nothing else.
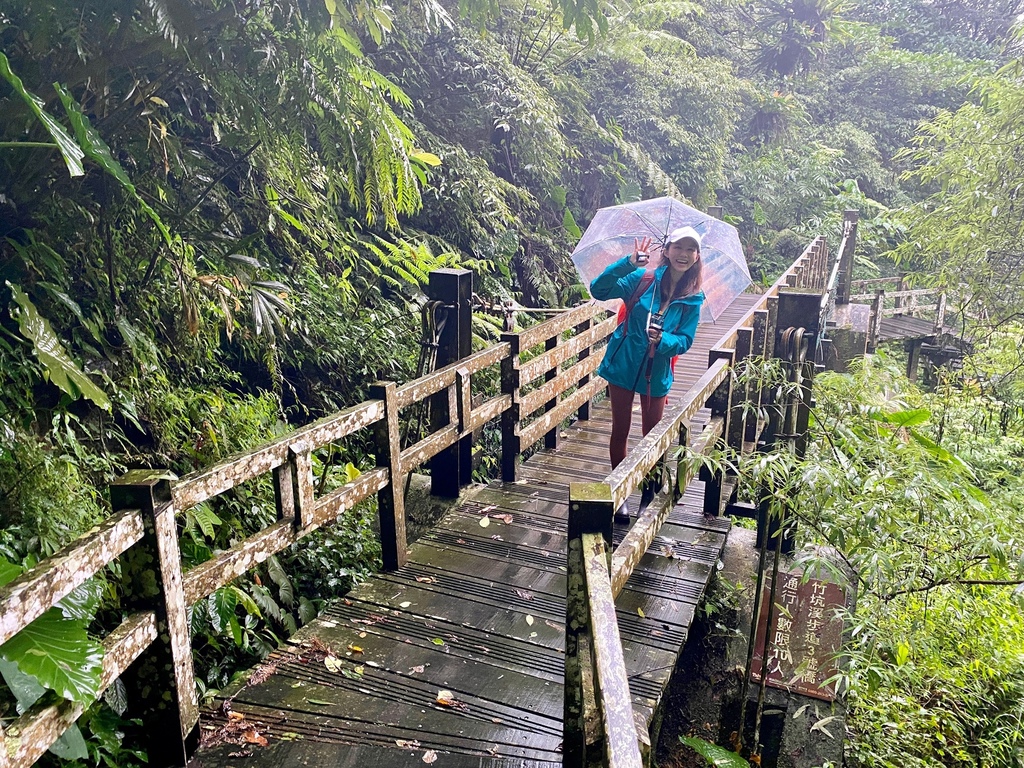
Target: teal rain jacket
(626, 353)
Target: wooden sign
(806, 633)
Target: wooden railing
(546, 375)
(598, 711)
(890, 297)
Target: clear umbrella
(612, 233)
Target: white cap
(682, 234)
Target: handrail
(39, 727)
(641, 535)
(39, 589)
(197, 487)
(905, 294)
(876, 281)
(622, 749)
(788, 279)
(627, 476)
(541, 332)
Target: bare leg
(652, 409)
(622, 419)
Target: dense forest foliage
(217, 218)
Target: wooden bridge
(521, 631)
(915, 316)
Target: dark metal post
(162, 676)
(453, 467)
(715, 210)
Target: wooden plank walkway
(477, 613)
(906, 327)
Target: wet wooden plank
(323, 742)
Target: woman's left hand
(654, 334)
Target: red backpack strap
(641, 289)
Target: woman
(639, 354)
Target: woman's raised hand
(641, 251)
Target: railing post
(875, 321)
(738, 400)
(551, 437)
(390, 498)
(583, 414)
(899, 301)
(758, 346)
(590, 511)
(510, 443)
(684, 444)
(719, 402)
(821, 278)
(913, 347)
(940, 314)
(850, 218)
(798, 315)
(293, 487)
(152, 577)
(453, 467)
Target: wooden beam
(590, 511)
(576, 375)
(391, 498)
(622, 747)
(536, 429)
(43, 724)
(647, 452)
(197, 487)
(542, 363)
(153, 581)
(563, 321)
(40, 588)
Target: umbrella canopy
(612, 233)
